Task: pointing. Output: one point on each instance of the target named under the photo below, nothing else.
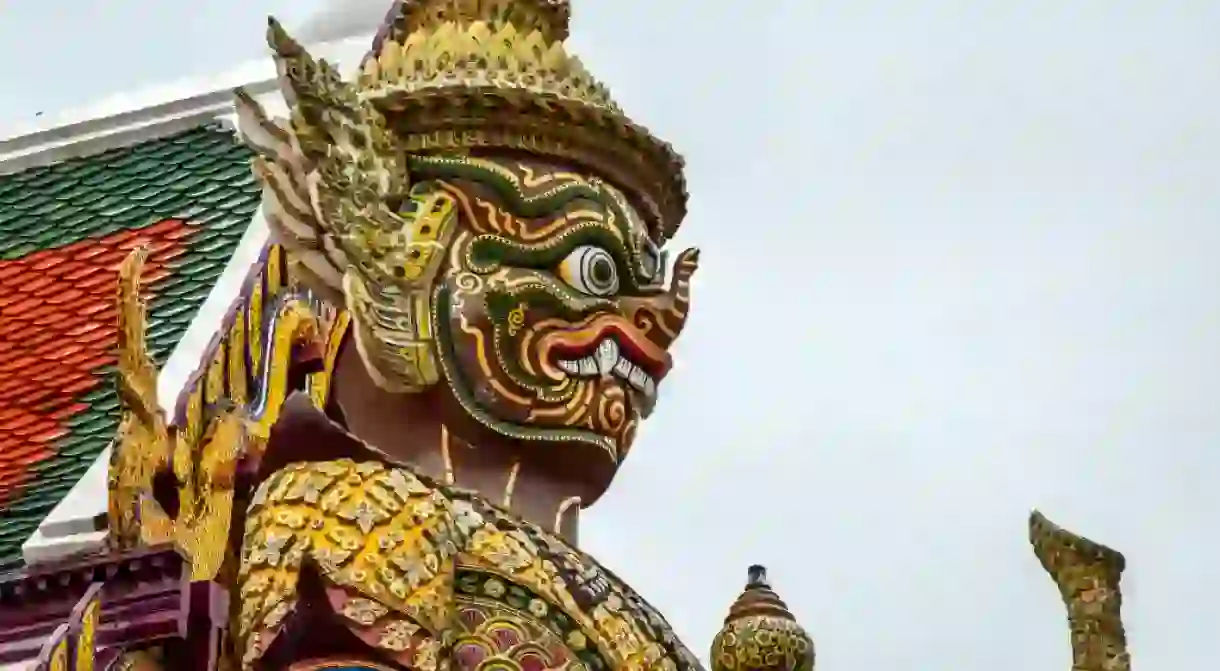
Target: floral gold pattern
(390, 536)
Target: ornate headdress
(466, 74)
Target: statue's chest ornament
(393, 551)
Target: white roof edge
(93, 136)
(124, 119)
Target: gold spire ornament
(760, 634)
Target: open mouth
(608, 346)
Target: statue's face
(535, 293)
(552, 314)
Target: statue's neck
(422, 430)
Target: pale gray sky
(959, 261)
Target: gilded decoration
(82, 628)
(56, 652)
(401, 557)
(760, 634)
(225, 416)
(502, 624)
(452, 75)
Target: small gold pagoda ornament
(760, 634)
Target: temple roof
(64, 228)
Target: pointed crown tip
(550, 17)
(279, 40)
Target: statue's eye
(590, 270)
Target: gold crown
(461, 75)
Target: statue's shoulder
(513, 570)
(392, 546)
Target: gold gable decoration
(225, 416)
(456, 76)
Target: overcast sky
(959, 262)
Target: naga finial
(142, 445)
(1087, 575)
(760, 633)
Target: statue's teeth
(607, 356)
(608, 360)
(637, 378)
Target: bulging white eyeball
(592, 270)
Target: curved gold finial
(1087, 575)
(142, 445)
(760, 633)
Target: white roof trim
(69, 527)
(86, 138)
(128, 118)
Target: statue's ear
(398, 360)
(388, 289)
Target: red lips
(581, 340)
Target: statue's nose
(663, 317)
